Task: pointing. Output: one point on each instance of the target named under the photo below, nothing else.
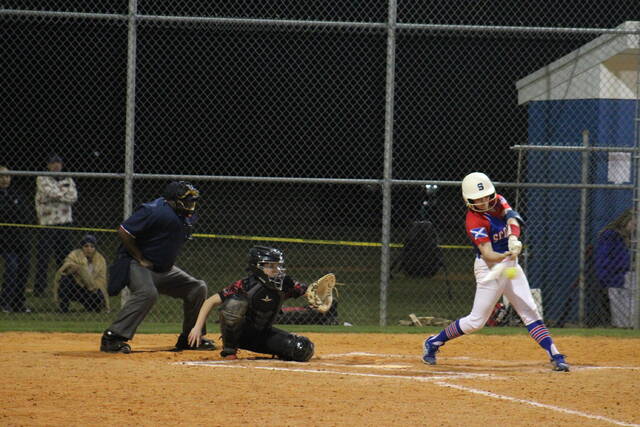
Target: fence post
(635, 289)
(583, 226)
(130, 122)
(385, 253)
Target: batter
(494, 230)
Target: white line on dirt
(360, 353)
(593, 368)
(537, 404)
(506, 363)
(436, 376)
(381, 367)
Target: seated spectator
(82, 278)
(613, 268)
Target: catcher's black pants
(145, 285)
(268, 341)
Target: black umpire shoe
(183, 344)
(112, 343)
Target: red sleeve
(294, 289)
(299, 289)
(501, 205)
(235, 288)
(477, 227)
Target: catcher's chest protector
(264, 305)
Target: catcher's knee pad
(233, 310)
(299, 348)
(231, 322)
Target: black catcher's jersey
(264, 301)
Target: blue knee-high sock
(540, 333)
(450, 332)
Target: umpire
(151, 239)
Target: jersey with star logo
(264, 301)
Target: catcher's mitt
(320, 293)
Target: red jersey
(490, 226)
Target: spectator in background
(14, 246)
(82, 278)
(54, 198)
(613, 268)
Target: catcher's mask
(476, 186)
(184, 195)
(264, 256)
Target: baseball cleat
(559, 364)
(429, 352)
(112, 343)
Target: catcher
(249, 307)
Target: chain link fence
(336, 131)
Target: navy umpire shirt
(159, 232)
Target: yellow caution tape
(240, 237)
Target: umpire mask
(184, 195)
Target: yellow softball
(510, 272)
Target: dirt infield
(354, 379)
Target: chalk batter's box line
(437, 379)
(437, 376)
(506, 363)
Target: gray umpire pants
(145, 285)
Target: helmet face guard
(477, 186)
(259, 257)
(475, 206)
(275, 281)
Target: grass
(213, 329)
(220, 262)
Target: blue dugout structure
(593, 89)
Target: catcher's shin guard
(232, 319)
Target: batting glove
(515, 245)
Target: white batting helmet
(475, 186)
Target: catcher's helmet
(261, 255)
(475, 186)
(184, 195)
